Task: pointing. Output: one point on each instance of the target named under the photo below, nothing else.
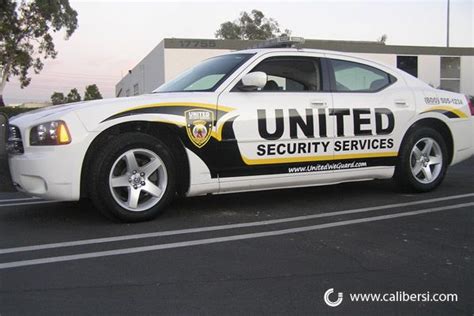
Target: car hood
(59, 110)
(92, 113)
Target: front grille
(14, 142)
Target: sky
(113, 36)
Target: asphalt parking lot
(272, 252)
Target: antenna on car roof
(283, 41)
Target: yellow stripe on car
(182, 104)
(268, 161)
(217, 134)
(451, 109)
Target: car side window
(354, 77)
(290, 74)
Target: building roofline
(333, 45)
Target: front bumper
(41, 175)
(51, 172)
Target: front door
(280, 130)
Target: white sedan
(248, 120)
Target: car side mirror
(253, 81)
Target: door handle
(319, 103)
(401, 103)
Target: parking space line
(224, 227)
(132, 250)
(28, 203)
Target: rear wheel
(133, 178)
(422, 162)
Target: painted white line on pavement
(20, 200)
(189, 243)
(224, 227)
(28, 203)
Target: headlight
(50, 133)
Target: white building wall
(162, 65)
(148, 74)
(178, 60)
(429, 69)
(467, 75)
(122, 86)
(154, 69)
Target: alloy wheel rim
(138, 179)
(426, 160)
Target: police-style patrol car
(247, 120)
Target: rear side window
(291, 74)
(354, 77)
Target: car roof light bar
(281, 42)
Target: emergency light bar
(281, 42)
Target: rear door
(371, 110)
(280, 130)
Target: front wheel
(422, 161)
(133, 178)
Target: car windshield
(207, 75)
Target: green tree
(92, 93)
(73, 96)
(58, 98)
(26, 29)
(253, 26)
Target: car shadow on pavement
(239, 206)
(302, 199)
(55, 212)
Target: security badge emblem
(199, 126)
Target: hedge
(10, 112)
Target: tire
(417, 161)
(132, 178)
